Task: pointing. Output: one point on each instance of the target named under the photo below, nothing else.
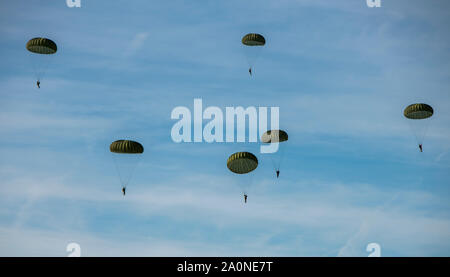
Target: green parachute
(242, 164)
(418, 111)
(279, 137)
(418, 116)
(41, 50)
(253, 40)
(126, 147)
(43, 46)
(252, 47)
(126, 155)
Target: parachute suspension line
(132, 170)
(283, 150)
(246, 188)
(125, 180)
(411, 127)
(118, 171)
(277, 159)
(419, 129)
(274, 163)
(44, 67)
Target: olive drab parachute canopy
(126, 147)
(418, 111)
(253, 40)
(252, 47)
(242, 162)
(41, 50)
(126, 155)
(43, 46)
(279, 137)
(418, 116)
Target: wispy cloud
(340, 72)
(136, 43)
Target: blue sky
(340, 72)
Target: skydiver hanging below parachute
(242, 163)
(419, 115)
(252, 44)
(126, 154)
(41, 49)
(280, 137)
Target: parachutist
(245, 198)
(123, 191)
(419, 112)
(255, 41)
(42, 47)
(278, 173)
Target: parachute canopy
(126, 147)
(253, 40)
(274, 136)
(242, 162)
(418, 111)
(41, 46)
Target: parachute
(41, 46)
(418, 116)
(242, 164)
(253, 40)
(252, 47)
(41, 50)
(126, 147)
(280, 137)
(418, 111)
(126, 155)
(274, 136)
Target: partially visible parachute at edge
(418, 116)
